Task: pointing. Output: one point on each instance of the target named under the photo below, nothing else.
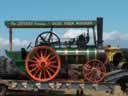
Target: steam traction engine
(53, 59)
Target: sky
(114, 13)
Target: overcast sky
(114, 13)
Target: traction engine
(54, 59)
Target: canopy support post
(94, 35)
(10, 38)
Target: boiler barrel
(81, 56)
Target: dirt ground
(116, 92)
(88, 92)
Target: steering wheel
(47, 38)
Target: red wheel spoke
(33, 69)
(48, 56)
(53, 66)
(102, 73)
(41, 54)
(98, 71)
(32, 65)
(91, 76)
(98, 75)
(51, 69)
(49, 74)
(45, 52)
(37, 55)
(36, 58)
(88, 66)
(95, 79)
(95, 64)
(52, 57)
(44, 74)
(101, 69)
(98, 68)
(88, 74)
(40, 74)
(32, 61)
(53, 62)
(36, 72)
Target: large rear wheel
(42, 63)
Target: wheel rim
(94, 71)
(42, 63)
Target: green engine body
(67, 56)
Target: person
(82, 40)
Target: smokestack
(99, 32)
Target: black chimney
(99, 32)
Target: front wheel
(94, 71)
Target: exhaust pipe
(99, 32)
